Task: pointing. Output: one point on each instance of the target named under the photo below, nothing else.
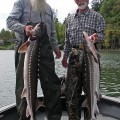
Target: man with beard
(79, 20)
(25, 14)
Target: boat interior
(109, 110)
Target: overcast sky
(63, 7)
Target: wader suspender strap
(43, 18)
(30, 13)
(29, 22)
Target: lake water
(110, 78)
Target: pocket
(73, 31)
(90, 26)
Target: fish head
(88, 39)
(91, 46)
(89, 42)
(38, 30)
(35, 31)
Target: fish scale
(38, 62)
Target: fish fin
(93, 119)
(24, 93)
(27, 112)
(98, 55)
(84, 104)
(39, 104)
(23, 47)
(95, 56)
(98, 94)
(85, 35)
(96, 110)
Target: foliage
(7, 46)
(8, 39)
(96, 4)
(110, 11)
(6, 35)
(60, 30)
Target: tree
(60, 29)
(110, 11)
(96, 4)
(6, 35)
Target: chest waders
(49, 81)
(74, 84)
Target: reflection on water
(110, 73)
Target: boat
(108, 106)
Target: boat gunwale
(7, 107)
(105, 99)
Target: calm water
(110, 80)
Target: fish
(92, 78)
(91, 46)
(30, 72)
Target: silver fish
(30, 47)
(92, 76)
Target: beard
(38, 5)
(84, 6)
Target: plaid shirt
(89, 21)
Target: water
(110, 80)
(7, 77)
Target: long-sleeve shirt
(22, 12)
(89, 21)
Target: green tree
(7, 35)
(96, 4)
(60, 29)
(110, 11)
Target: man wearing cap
(79, 20)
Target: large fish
(92, 76)
(31, 49)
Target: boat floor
(108, 109)
(41, 116)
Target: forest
(109, 9)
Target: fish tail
(27, 112)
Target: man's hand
(64, 62)
(58, 54)
(28, 29)
(94, 37)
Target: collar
(86, 12)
